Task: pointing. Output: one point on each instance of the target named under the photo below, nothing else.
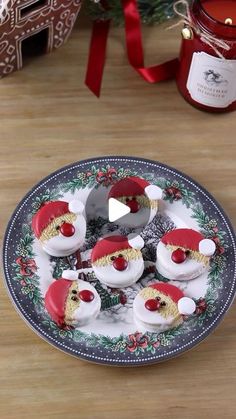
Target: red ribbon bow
(97, 54)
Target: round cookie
(183, 254)
(60, 227)
(72, 302)
(117, 260)
(140, 196)
(160, 307)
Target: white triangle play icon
(116, 209)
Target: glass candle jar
(207, 71)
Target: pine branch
(151, 11)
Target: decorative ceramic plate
(113, 337)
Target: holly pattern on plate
(97, 176)
(26, 268)
(176, 191)
(47, 196)
(210, 230)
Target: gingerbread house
(33, 27)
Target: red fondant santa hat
(56, 295)
(135, 186)
(189, 239)
(51, 210)
(186, 305)
(112, 244)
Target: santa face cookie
(60, 227)
(160, 307)
(72, 302)
(141, 197)
(117, 260)
(183, 254)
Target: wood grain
(49, 119)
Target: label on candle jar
(212, 80)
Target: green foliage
(151, 11)
(48, 195)
(175, 191)
(26, 269)
(96, 176)
(210, 229)
(167, 337)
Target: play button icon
(116, 209)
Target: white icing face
(119, 279)
(87, 311)
(186, 270)
(151, 321)
(64, 246)
(138, 219)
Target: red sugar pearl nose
(67, 229)
(178, 256)
(152, 304)
(133, 204)
(120, 263)
(86, 295)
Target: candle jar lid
(210, 24)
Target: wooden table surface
(49, 119)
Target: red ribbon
(97, 55)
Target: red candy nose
(153, 304)
(86, 295)
(120, 263)
(67, 229)
(133, 204)
(178, 256)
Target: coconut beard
(86, 311)
(189, 269)
(119, 279)
(60, 245)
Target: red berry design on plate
(112, 173)
(178, 195)
(133, 205)
(216, 240)
(178, 256)
(201, 306)
(120, 263)
(86, 295)
(220, 250)
(174, 192)
(123, 298)
(150, 269)
(67, 229)
(101, 177)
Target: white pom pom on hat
(135, 241)
(76, 206)
(207, 247)
(69, 274)
(153, 192)
(186, 306)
